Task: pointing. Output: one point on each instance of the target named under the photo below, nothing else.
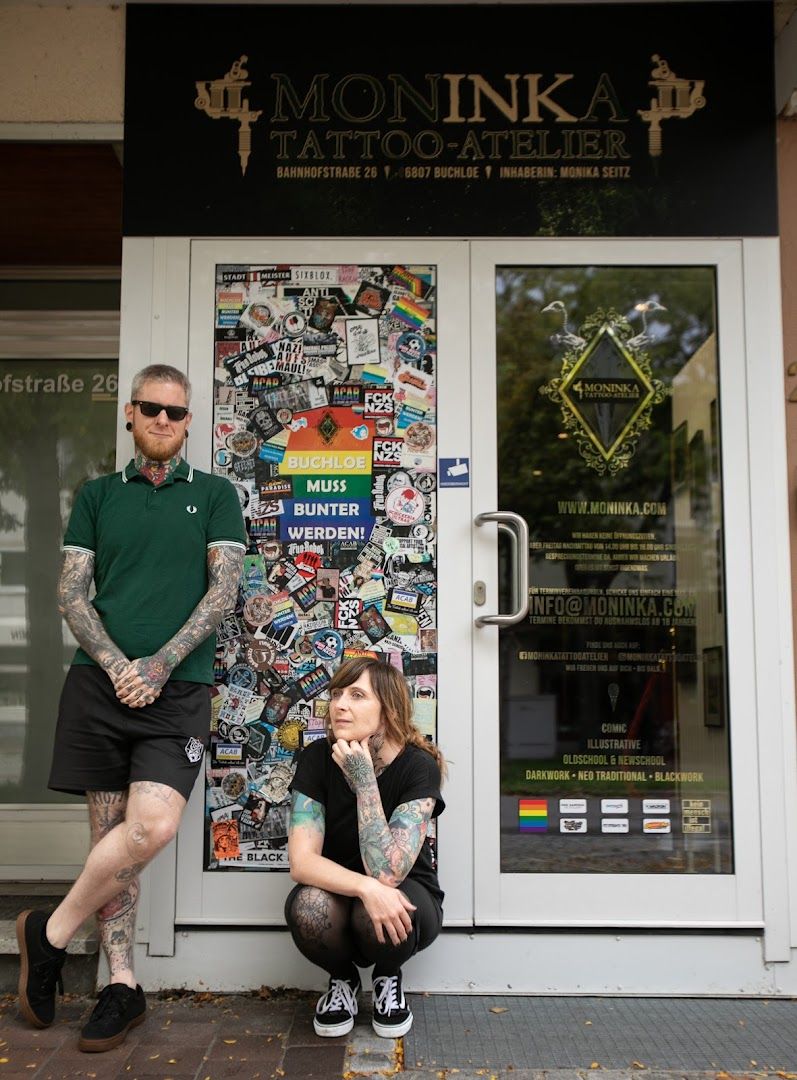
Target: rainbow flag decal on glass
(410, 312)
(532, 815)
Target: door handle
(514, 523)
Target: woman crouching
(361, 804)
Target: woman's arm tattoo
(224, 573)
(77, 572)
(307, 814)
(389, 850)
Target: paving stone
(302, 1032)
(251, 1052)
(323, 1062)
(159, 1058)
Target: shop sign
(526, 119)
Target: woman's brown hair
(391, 690)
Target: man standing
(164, 545)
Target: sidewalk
(269, 1036)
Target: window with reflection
(614, 717)
(58, 418)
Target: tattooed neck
(156, 471)
(376, 746)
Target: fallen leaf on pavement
(497, 1009)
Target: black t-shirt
(414, 774)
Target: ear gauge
(128, 426)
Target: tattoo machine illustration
(675, 98)
(222, 99)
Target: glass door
(613, 661)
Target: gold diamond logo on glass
(606, 391)
(328, 429)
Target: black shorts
(103, 745)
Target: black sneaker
(392, 1015)
(336, 1009)
(40, 970)
(118, 1009)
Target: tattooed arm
(142, 683)
(388, 908)
(388, 850)
(77, 572)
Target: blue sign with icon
(454, 472)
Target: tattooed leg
(116, 919)
(151, 818)
(319, 924)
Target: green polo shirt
(150, 548)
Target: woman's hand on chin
(355, 762)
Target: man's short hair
(160, 373)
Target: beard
(157, 449)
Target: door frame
(759, 625)
(155, 305)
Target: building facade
(492, 347)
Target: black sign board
(444, 120)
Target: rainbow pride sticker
(532, 815)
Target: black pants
(336, 933)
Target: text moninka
(455, 99)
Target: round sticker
(294, 323)
(284, 416)
(405, 506)
(222, 457)
(398, 479)
(425, 482)
(242, 443)
(420, 531)
(270, 550)
(238, 734)
(391, 545)
(411, 346)
(328, 644)
(260, 654)
(289, 733)
(258, 609)
(260, 315)
(241, 675)
(419, 436)
(233, 785)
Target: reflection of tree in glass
(51, 443)
(538, 466)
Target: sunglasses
(154, 408)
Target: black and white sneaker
(336, 1009)
(40, 969)
(119, 1008)
(392, 1015)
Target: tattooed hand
(143, 681)
(355, 761)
